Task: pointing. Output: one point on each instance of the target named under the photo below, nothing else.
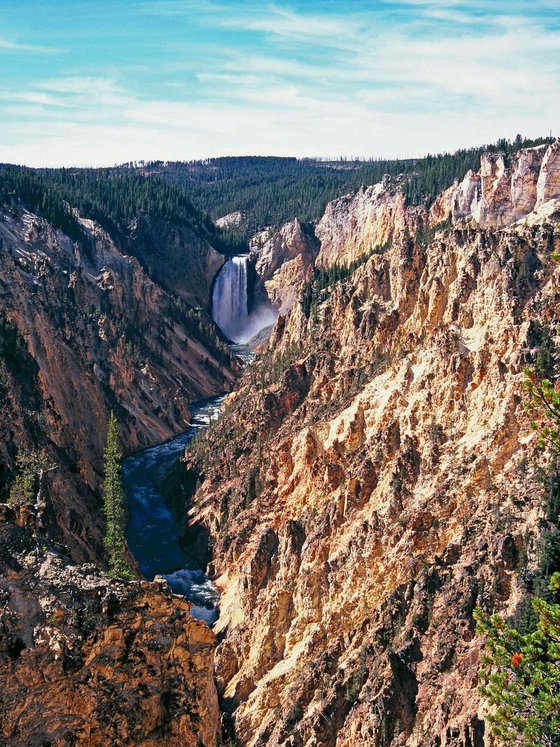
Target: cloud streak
(12, 46)
(400, 77)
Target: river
(153, 532)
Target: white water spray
(230, 304)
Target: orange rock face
(89, 661)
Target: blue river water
(153, 532)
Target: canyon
(372, 478)
(86, 329)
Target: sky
(99, 82)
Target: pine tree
(521, 676)
(521, 673)
(31, 465)
(113, 503)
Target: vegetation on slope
(521, 673)
(113, 503)
(115, 199)
(112, 197)
(271, 191)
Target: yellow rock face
(391, 452)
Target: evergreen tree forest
(112, 197)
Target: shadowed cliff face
(176, 258)
(100, 335)
(370, 482)
(83, 659)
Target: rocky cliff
(176, 257)
(89, 661)
(504, 192)
(371, 481)
(283, 262)
(97, 334)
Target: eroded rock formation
(284, 261)
(370, 483)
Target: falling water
(230, 303)
(229, 300)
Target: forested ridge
(113, 197)
(270, 191)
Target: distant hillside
(150, 219)
(272, 191)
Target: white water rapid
(230, 303)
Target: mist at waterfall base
(153, 531)
(230, 304)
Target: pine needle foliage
(521, 672)
(521, 676)
(113, 504)
(29, 464)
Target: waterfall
(230, 303)
(229, 300)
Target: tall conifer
(113, 503)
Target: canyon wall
(372, 480)
(86, 660)
(176, 257)
(98, 334)
(283, 262)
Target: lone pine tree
(113, 503)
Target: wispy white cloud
(282, 24)
(326, 82)
(13, 46)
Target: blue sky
(96, 82)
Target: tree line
(270, 191)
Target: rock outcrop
(506, 189)
(231, 220)
(284, 261)
(355, 224)
(370, 483)
(85, 660)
